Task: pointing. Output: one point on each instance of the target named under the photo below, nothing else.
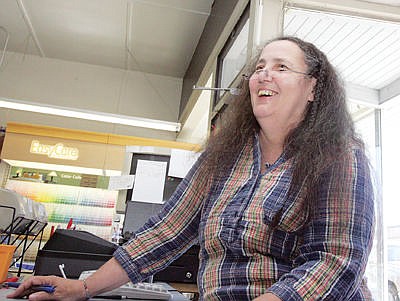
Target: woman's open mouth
(266, 93)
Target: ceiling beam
(5, 44)
(359, 8)
(31, 29)
(128, 35)
(390, 91)
(362, 94)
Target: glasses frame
(263, 70)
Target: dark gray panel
(137, 213)
(219, 16)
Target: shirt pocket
(279, 209)
(272, 225)
(289, 216)
(259, 237)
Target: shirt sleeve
(337, 241)
(167, 235)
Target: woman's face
(280, 89)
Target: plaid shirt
(242, 255)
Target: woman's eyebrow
(281, 60)
(261, 61)
(273, 60)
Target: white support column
(271, 19)
(266, 22)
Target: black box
(79, 241)
(47, 262)
(78, 251)
(184, 269)
(81, 251)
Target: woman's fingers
(42, 296)
(26, 287)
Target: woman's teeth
(265, 93)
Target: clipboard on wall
(138, 212)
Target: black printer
(82, 251)
(77, 250)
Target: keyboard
(142, 290)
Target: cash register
(81, 253)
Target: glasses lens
(259, 72)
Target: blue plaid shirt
(242, 255)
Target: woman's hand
(65, 289)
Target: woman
(280, 201)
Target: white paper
(181, 161)
(149, 181)
(121, 182)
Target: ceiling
(389, 2)
(365, 51)
(145, 35)
(154, 37)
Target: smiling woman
(296, 107)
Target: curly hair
(316, 143)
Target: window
(383, 273)
(233, 55)
(391, 204)
(364, 118)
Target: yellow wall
(86, 136)
(96, 150)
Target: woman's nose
(264, 74)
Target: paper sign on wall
(180, 162)
(149, 181)
(121, 182)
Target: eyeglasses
(276, 71)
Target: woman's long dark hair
(315, 144)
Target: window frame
(244, 18)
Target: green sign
(58, 177)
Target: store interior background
(141, 58)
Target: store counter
(176, 296)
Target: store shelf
(91, 209)
(22, 233)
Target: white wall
(196, 127)
(89, 87)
